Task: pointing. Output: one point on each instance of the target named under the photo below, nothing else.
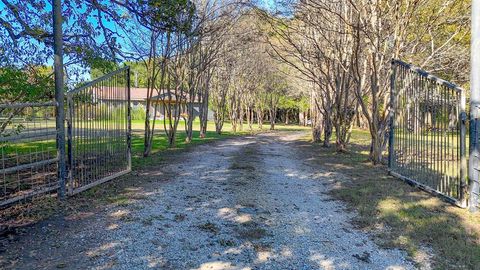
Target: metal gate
(28, 153)
(99, 131)
(428, 132)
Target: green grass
(400, 215)
(160, 142)
(140, 124)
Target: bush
(138, 113)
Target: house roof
(118, 93)
(136, 94)
(164, 96)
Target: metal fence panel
(28, 164)
(98, 140)
(98, 130)
(428, 132)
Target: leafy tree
(25, 85)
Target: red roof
(136, 94)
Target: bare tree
(344, 48)
(213, 21)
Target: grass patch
(149, 220)
(180, 217)
(226, 243)
(251, 231)
(209, 227)
(401, 216)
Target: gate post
(474, 107)
(59, 94)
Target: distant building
(138, 98)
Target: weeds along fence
(98, 140)
(428, 132)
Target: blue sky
(269, 4)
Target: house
(138, 99)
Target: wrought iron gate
(99, 131)
(428, 132)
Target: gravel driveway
(243, 203)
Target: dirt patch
(237, 166)
(209, 227)
(246, 160)
(251, 231)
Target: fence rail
(428, 132)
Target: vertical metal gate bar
(69, 143)
(129, 123)
(474, 181)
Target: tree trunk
(318, 123)
(341, 134)
(317, 132)
(171, 139)
(327, 131)
(218, 118)
(250, 118)
(273, 117)
(241, 118)
(190, 118)
(204, 114)
(377, 146)
(260, 119)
